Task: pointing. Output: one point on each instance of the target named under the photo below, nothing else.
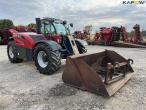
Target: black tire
(14, 59)
(0, 40)
(81, 48)
(53, 59)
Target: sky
(97, 13)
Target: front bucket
(102, 73)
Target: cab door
(48, 30)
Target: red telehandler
(46, 47)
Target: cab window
(47, 28)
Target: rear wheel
(46, 60)
(12, 53)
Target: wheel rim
(11, 54)
(42, 59)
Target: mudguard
(81, 45)
(52, 44)
(82, 42)
(10, 39)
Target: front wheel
(46, 60)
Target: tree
(6, 24)
(31, 27)
(144, 33)
(88, 29)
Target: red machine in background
(80, 35)
(118, 36)
(4, 36)
(137, 38)
(124, 34)
(6, 33)
(107, 35)
(20, 28)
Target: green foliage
(143, 33)
(0, 39)
(32, 25)
(6, 24)
(130, 34)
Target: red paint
(25, 40)
(56, 38)
(106, 34)
(5, 34)
(97, 36)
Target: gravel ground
(23, 88)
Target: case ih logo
(136, 2)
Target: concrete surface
(23, 88)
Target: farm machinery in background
(4, 36)
(86, 34)
(78, 35)
(118, 36)
(6, 33)
(107, 36)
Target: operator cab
(56, 30)
(52, 28)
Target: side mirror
(71, 24)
